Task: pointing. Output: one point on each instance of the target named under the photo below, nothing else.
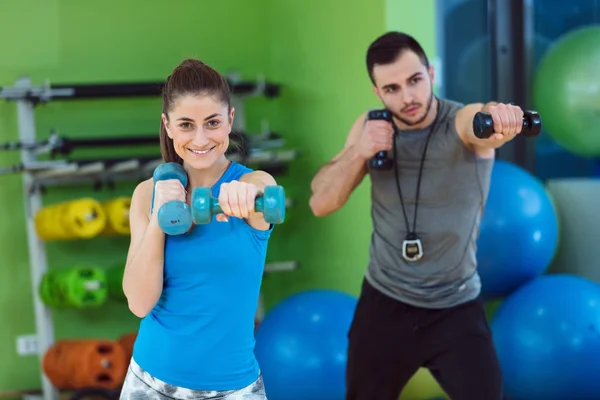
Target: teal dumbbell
(174, 217)
(271, 203)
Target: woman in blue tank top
(197, 293)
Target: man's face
(405, 87)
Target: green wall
(417, 21)
(320, 56)
(316, 49)
(72, 41)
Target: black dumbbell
(483, 124)
(381, 160)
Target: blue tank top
(200, 334)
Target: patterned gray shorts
(140, 385)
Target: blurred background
(79, 118)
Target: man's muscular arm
(334, 183)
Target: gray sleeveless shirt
(454, 188)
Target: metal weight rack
(38, 175)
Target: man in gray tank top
(419, 304)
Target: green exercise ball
(422, 386)
(566, 91)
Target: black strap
(411, 233)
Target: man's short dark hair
(388, 47)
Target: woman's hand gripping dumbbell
(175, 217)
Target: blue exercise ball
(519, 231)
(547, 335)
(301, 346)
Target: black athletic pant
(390, 340)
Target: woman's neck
(206, 177)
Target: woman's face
(199, 127)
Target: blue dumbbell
(271, 203)
(174, 217)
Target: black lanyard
(412, 248)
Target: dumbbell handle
(174, 217)
(483, 124)
(215, 208)
(380, 160)
(271, 202)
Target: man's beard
(417, 122)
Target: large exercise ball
(302, 343)
(423, 386)
(566, 91)
(518, 233)
(547, 335)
